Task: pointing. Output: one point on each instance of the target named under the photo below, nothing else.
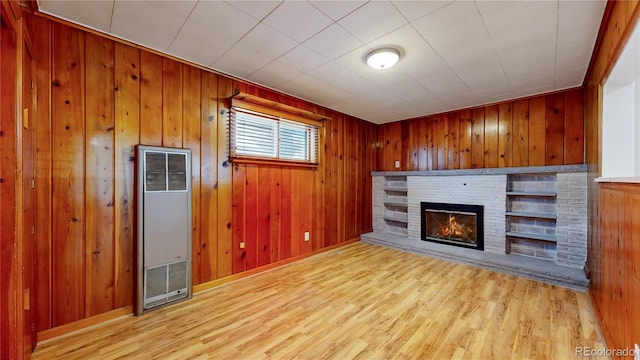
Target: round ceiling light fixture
(382, 58)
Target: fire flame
(451, 228)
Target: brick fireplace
(535, 213)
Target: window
(621, 114)
(261, 136)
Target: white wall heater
(163, 252)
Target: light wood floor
(360, 301)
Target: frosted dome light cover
(383, 58)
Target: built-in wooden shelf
(532, 215)
(542, 237)
(531, 193)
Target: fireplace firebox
(453, 224)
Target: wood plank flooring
(360, 301)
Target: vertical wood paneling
(207, 246)
(127, 136)
(604, 234)
(432, 149)
(520, 144)
(68, 280)
(239, 249)
(505, 138)
(574, 127)
(99, 179)
(618, 272)
(224, 189)
(554, 130)
(491, 136)
(137, 97)
(275, 214)
(251, 215)
(331, 150)
(171, 103)
(537, 110)
(286, 215)
(9, 348)
(510, 133)
(454, 141)
(443, 142)
(477, 142)
(41, 37)
(150, 99)
(466, 137)
(423, 144)
(191, 121)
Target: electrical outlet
(241, 245)
(306, 236)
(397, 164)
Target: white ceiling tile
(274, 74)
(94, 14)
(303, 59)
(144, 23)
(336, 10)
(298, 19)
(267, 41)
(196, 45)
(180, 8)
(359, 23)
(241, 61)
(222, 19)
(258, 9)
(413, 10)
(458, 42)
(332, 42)
(315, 90)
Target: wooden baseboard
(217, 282)
(84, 323)
(128, 310)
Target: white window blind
(257, 135)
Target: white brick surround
(486, 190)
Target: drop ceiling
(455, 54)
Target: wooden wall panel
(619, 236)
(99, 167)
(466, 127)
(107, 97)
(541, 130)
(554, 129)
(520, 145)
(224, 183)
(191, 122)
(9, 328)
(505, 141)
(127, 136)
(453, 150)
(477, 143)
(491, 136)
(574, 126)
(151, 112)
(68, 273)
(41, 36)
(171, 103)
(537, 123)
(612, 246)
(206, 247)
